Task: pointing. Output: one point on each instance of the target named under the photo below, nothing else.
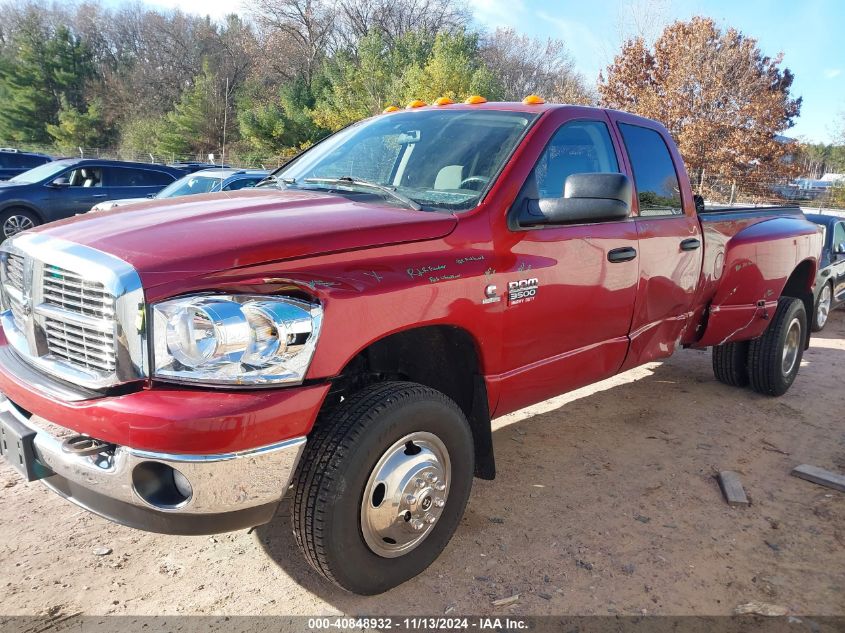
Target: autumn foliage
(722, 100)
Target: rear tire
(730, 363)
(775, 357)
(821, 313)
(14, 221)
(353, 512)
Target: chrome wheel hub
(791, 346)
(15, 224)
(405, 494)
(824, 306)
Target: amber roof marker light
(533, 100)
(390, 109)
(443, 101)
(416, 103)
(475, 100)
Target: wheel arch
(800, 285)
(26, 206)
(443, 357)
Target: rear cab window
(655, 178)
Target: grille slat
(77, 315)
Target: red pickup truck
(351, 327)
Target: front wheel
(382, 485)
(14, 221)
(822, 311)
(775, 357)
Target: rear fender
(761, 263)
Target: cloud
(832, 73)
(585, 46)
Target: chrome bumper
(221, 484)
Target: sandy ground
(605, 502)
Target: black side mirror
(590, 197)
(839, 249)
(699, 203)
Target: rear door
(134, 182)
(837, 260)
(670, 241)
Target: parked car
(829, 291)
(205, 181)
(14, 162)
(191, 166)
(354, 329)
(63, 188)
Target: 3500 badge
(522, 291)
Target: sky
(809, 33)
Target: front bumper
(228, 491)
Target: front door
(572, 288)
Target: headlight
(235, 339)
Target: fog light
(161, 486)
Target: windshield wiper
(348, 180)
(275, 180)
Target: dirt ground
(605, 502)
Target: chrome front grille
(81, 345)
(71, 292)
(72, 311)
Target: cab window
(658, 191)
(577, 147)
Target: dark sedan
(830, 280)
(63, 188)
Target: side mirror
(699, 203)
(60, 183)
(151, 195)
(590, 197)
(840, 248)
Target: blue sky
(808, 32)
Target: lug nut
(439, 502)
(420, 483)
(440, 486)
(417, 525)
(431, 477)
(411, 500)
(431, 520)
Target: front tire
(382, 485)
(775, 357)
(822, 310)
(15, 221)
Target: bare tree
(525, 65)
(308, 25)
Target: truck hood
(201, 234)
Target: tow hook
(84, 446)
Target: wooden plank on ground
(820, 476)
(732, 488)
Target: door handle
(99, 195)
(690, 245)
(624, 254)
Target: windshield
(190, 185)
(42, 172)
(437, 159)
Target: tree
(525, 65)
(49, 67)
(721, 98)
(77, 129)
(195, 126)
(278, 124)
